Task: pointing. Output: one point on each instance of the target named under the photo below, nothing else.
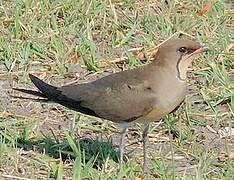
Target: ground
(79, 41)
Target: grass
(67, 41)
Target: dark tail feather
(51, 93)
(46, 91)
(32, 92)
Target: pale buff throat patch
(183, 65)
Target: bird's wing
(113, 97)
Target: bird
(144, 94)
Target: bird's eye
(183, 49)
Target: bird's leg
(124, 128)
(145, 142)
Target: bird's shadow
(97, 150)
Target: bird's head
(179, 54)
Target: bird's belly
(157, 113)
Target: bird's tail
(45, 90)
(48, 93)
(32, 92)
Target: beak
(201, 50)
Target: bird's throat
(181, 69)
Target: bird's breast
(168, 96)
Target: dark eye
(183, 49)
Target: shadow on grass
(90, 149)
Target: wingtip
(31, 76)
(36, 81)
(48, 90)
